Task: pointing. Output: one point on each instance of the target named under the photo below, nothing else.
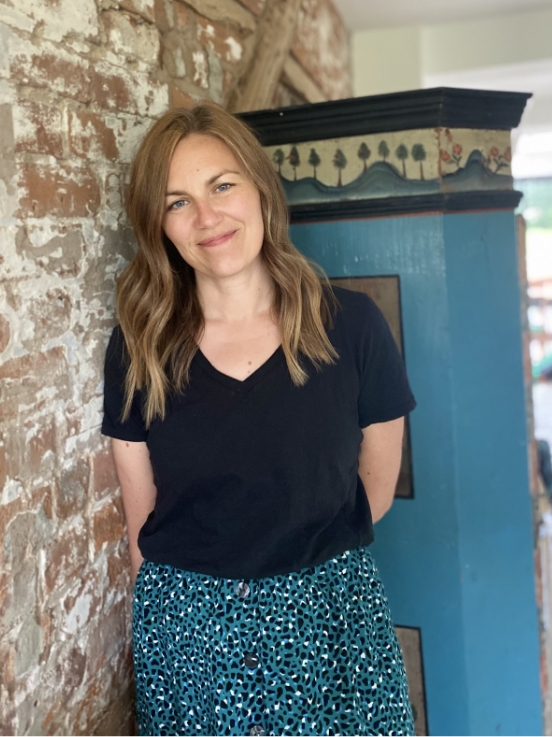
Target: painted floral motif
(500, 160)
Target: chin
(230, 267)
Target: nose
(207, 215)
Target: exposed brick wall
(80, 83)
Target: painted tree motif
(383, 150)
(340, 162)
(278, 158)
(364, 154)
(294, 161)
(419, 154)
(402, 154)
(314, 161)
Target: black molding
(446, 107)
(387, 206)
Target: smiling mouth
(217, 240)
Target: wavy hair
(157, 302)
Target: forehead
(202, 154)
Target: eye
(178, 205)
(224, 187)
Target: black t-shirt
(259, 477)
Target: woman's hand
(379, 464)
(135, 474)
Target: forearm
(380, 493)
(137, 503)
(379, 464)
(138, 492)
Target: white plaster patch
(6, 89)
(12, 490)
(179, 63)
(79, 614)
(130, 133)
(62, 18)
(201, 71)
(5, 34)
(16, 19)
(235, 49)
(145, 7)
(216, 77)
(137, 40)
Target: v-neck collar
(235, 384)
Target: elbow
(380, 504)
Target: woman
(256, 417)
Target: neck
(242, 297)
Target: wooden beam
(296, 77)
(275, 36)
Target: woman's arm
(379, 463)
(135, 474)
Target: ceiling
(360, 15)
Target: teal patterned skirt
(306, 653)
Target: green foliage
(364, 152)
(418, 152)
(293, 157)
(314, 158)
(339, 159)
(278, 157)
(383, 150)
(401, 152)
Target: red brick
(66, 558)
(4, 333)
(143, 8)
(118, 568)
(23, 378)
(110, 91)
(3, 463)
(72, 490)
(41, 129)
(323, 55)
(43, 442)
(89, 136)
(182, 16)
(162, 21)
(58, 192)
(217, 37)
(108, 524)
(63, 73)
(103, 470)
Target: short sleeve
(384, 389)
(116, 363)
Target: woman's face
(212, 209)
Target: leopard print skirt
(307, 653)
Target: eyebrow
(212, 180)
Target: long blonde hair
(158, 306)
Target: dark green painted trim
(385, 206)
(446, 107)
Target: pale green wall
(387, 60)
(394, 59)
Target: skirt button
(242, 590)
(256, 729)
(251, 660)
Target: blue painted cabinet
(457, 559)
